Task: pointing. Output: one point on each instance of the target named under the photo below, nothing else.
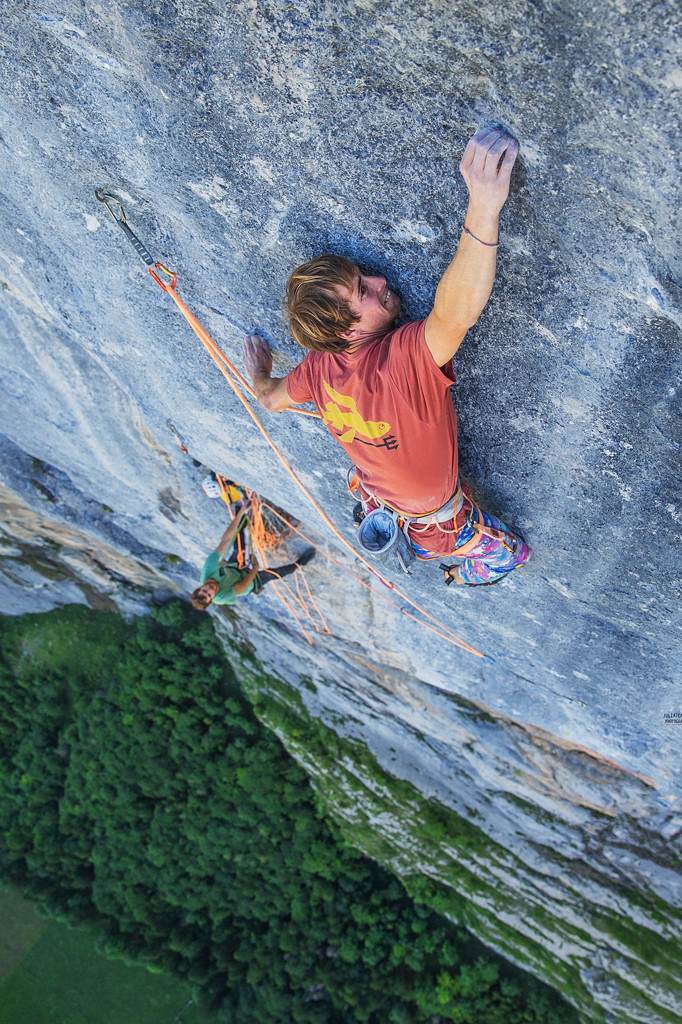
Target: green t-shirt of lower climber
(225, 576)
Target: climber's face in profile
(374, 303)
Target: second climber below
(223, 581)
(384, 393)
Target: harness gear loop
(353, 483)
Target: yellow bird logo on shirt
(342, 413)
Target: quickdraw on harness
(235, 378)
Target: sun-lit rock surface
(243, 138)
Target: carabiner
(105, 198)
(174, 277)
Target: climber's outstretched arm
(223, 545)
(271, 392)
(465, 287)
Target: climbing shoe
(449, 577)
(452, 576)
(306, 557)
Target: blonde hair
(316, 314)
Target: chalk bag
(380, 538)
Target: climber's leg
(489, 558)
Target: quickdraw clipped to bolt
(115, 209)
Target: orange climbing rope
(208, 340)
(262, 536)
(452, 636)
(302, 602)
(115, 209)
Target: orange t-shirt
(390, 408)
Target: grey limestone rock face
(242, 139)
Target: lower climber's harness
(402, 522)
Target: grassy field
(51, 974)
(19, 929)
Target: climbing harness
(264, 536)
(234, 379)
(384, 530)
(446, 513)
(440, 515)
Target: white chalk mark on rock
(623, 489)
(263, 170)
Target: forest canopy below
(140, 793)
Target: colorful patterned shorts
(490, 558)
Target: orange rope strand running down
(226, 368)
(364, 583)
(263, 541)
(299, 600)
(309, 598)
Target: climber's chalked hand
(257, 355)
